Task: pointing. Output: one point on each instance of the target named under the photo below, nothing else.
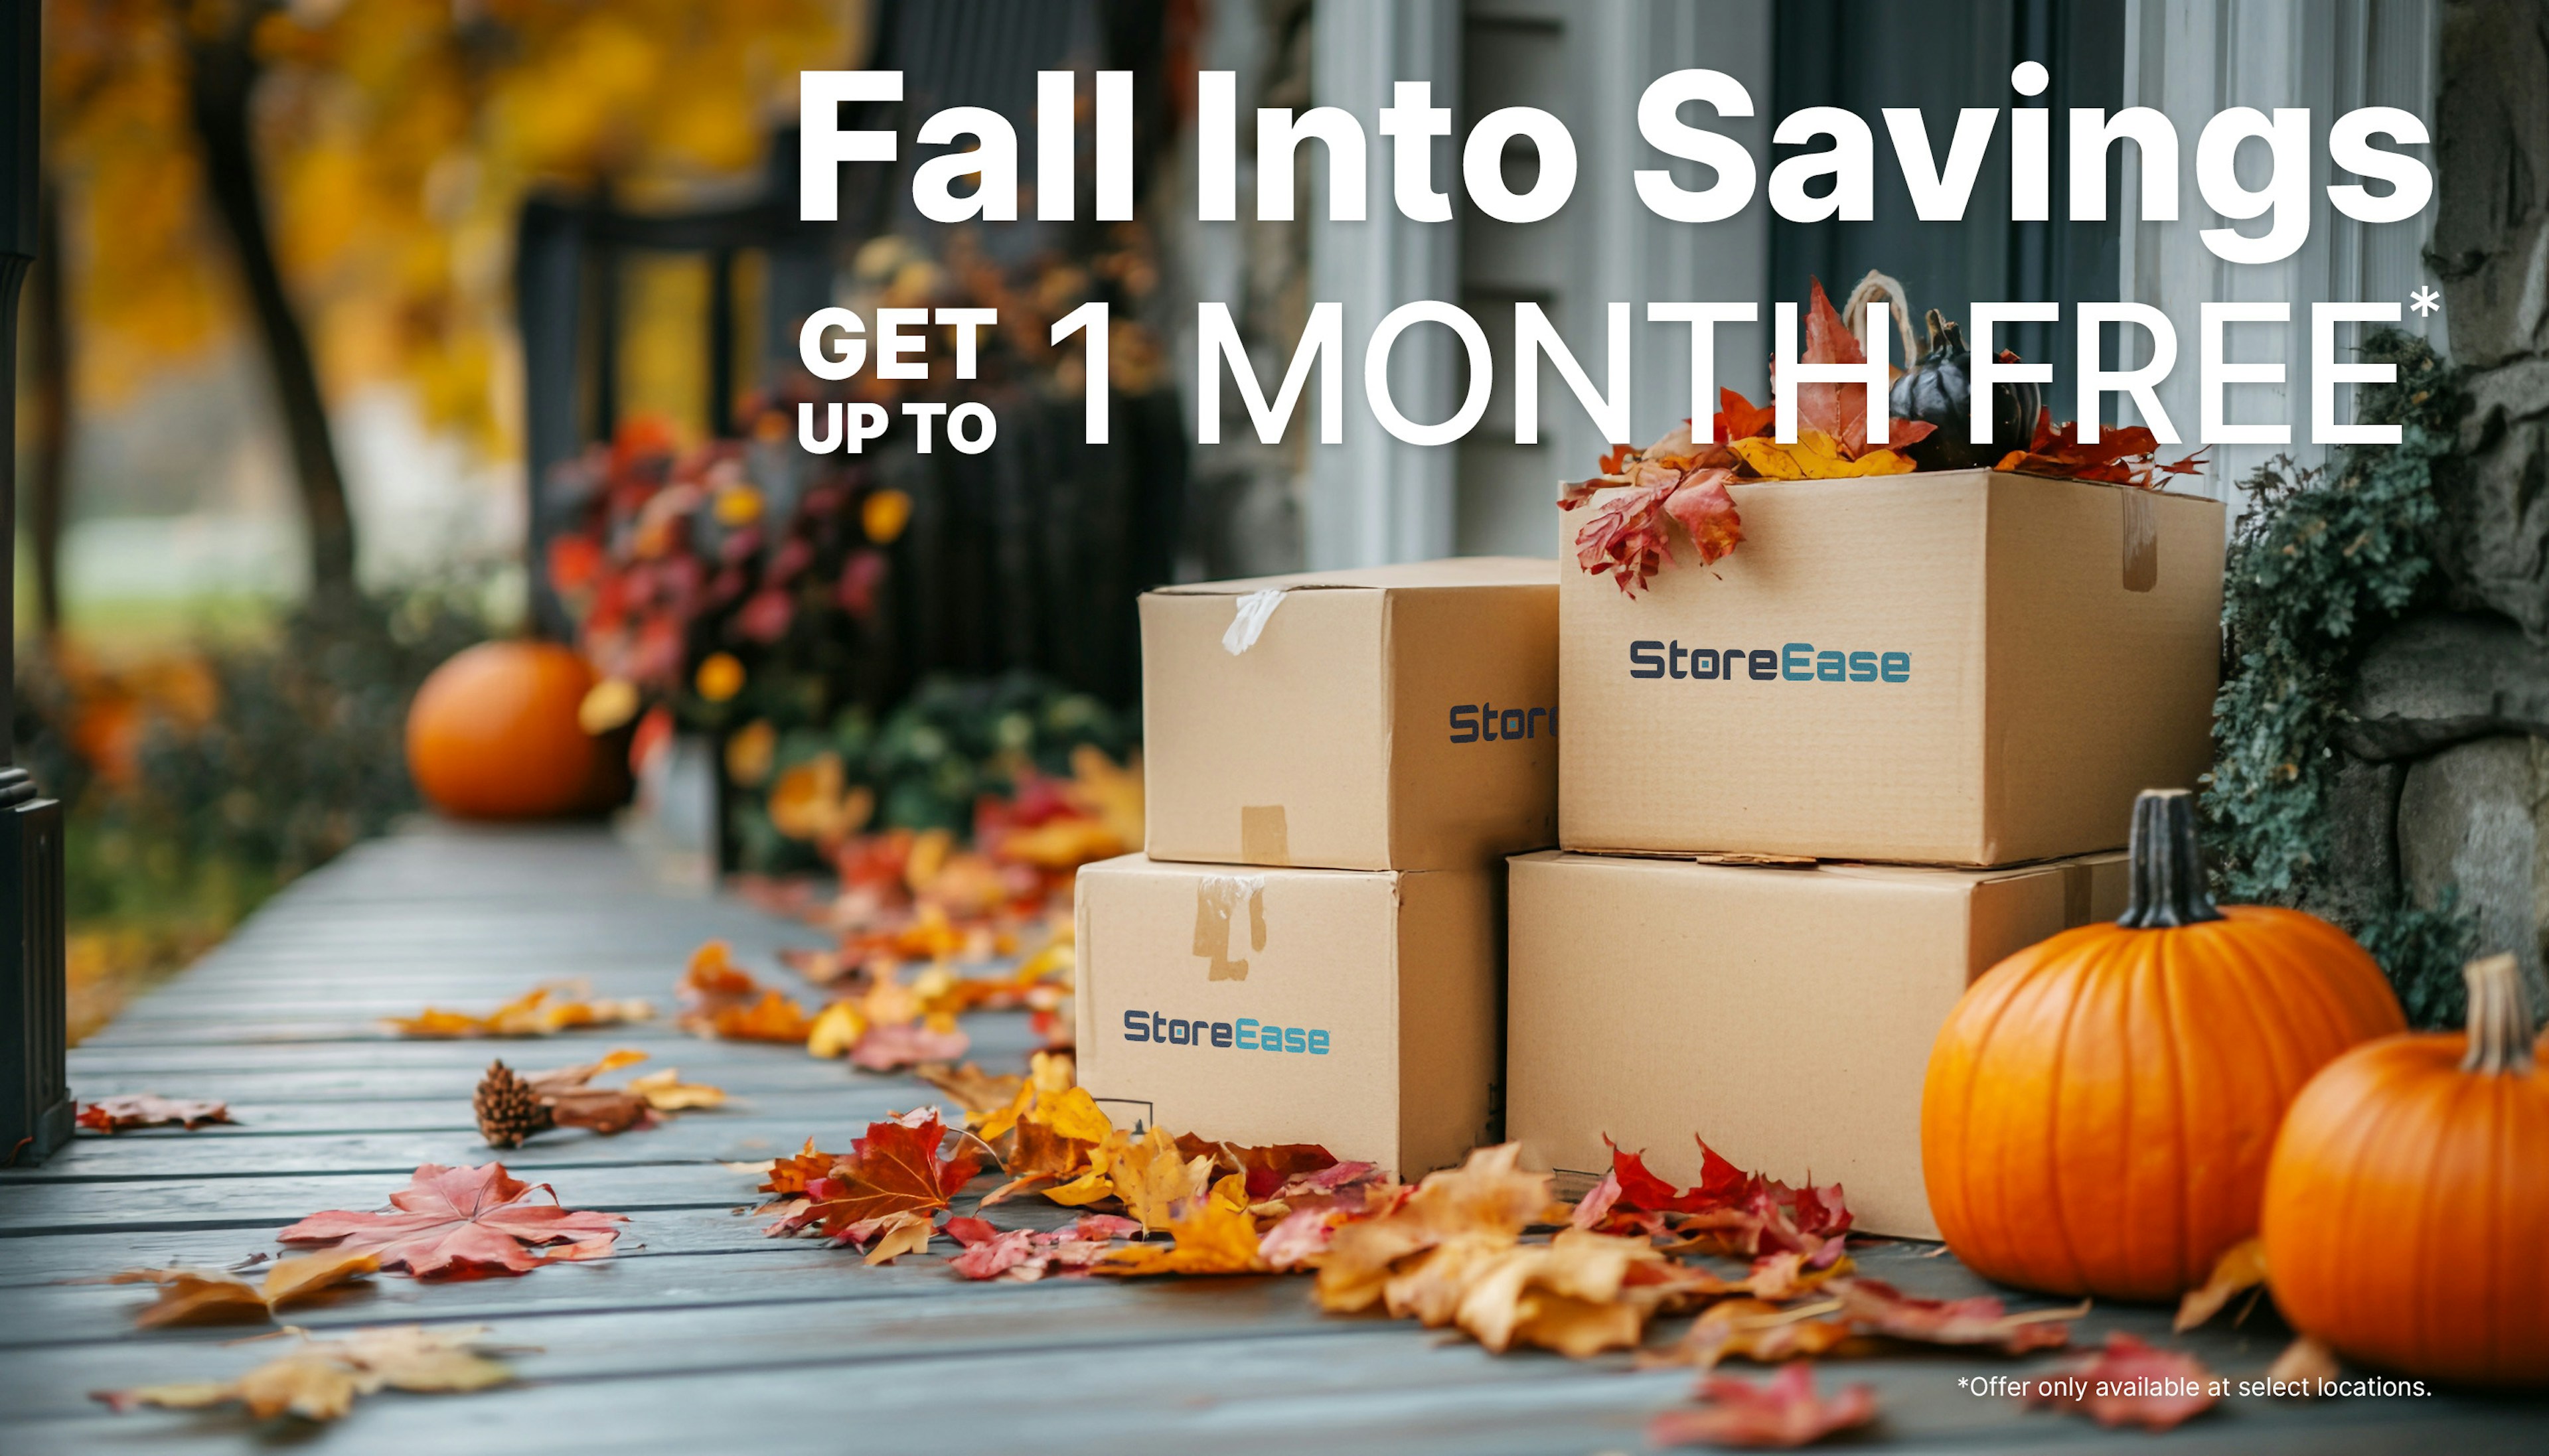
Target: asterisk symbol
(2424, 301)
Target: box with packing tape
(1361, 1010)
(1400, 717)
(1784, 1014)
(1969, 668)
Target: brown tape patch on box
(1264, 837)
(1217, 901)
(2141, 540)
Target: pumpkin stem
(2499, 1018)
(2167, 863)
(1938, 326)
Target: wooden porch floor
(704, 1337)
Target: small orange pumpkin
(2100, 1105)
(2409, 1195)
(492, 733)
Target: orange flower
(720, 678)
(884, 514)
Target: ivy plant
(2322, 560)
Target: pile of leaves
(2320, 564)
(1681, 481)
(1486, 1248)
(881, 1014)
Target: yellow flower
(808, 802)
(884, 514)
(749, 752)
(738, 505)
(720, 678)
(606, 705)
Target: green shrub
(2323, 561)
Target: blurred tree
(364, 162)
(221, 82)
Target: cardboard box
(1399, 717)
(1783, 1014)
(1362, 1010)
(1967, 668)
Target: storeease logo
(1796, 662)
(1247, 1034)
(1484, 722)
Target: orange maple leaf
(894, 1169)
(789, 1175)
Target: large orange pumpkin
(2408, 1197)
(492, 733)
(2100, 1105)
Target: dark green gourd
(1938, 388)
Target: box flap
(1451, 572)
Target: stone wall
(2445, 779)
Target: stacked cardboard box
(1966, 674)
(1312, 946)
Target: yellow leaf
(909, 1233)
(1099, 1182)
(320, 1379)
(1152, 1179)
(1213, 1236)
(542, 1011)
(1813, 456)
(1485, 1201)
(2240, 1268)
(1073, 1113)
(665, 1091)
(1758, 1330)
(836, 1029)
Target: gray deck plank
(705, 1335)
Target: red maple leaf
(149, 1110)
(2122, 455)
(462, 1224)
(1781, 1411)
(1729, 1210)
(1721, 1184)
(1878, 1308)
(894, 1169)
(1702, 507)
(1838, 410)
(2129, 1382)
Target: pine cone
(509, 1111)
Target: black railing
(35, 1089)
